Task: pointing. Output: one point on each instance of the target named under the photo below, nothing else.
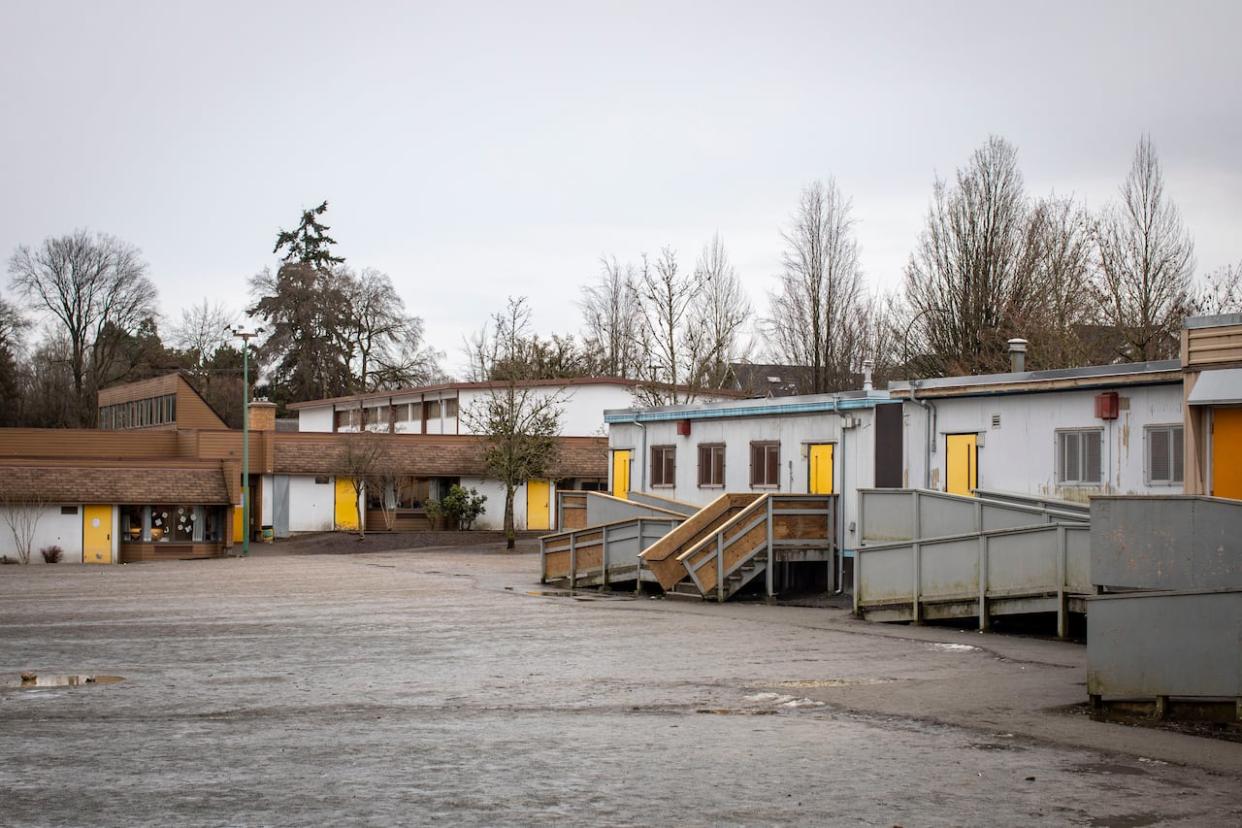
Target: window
(431, 410)
(321, 480)
(711, 465)
(346, 418)
(765, 464)
(68, 510)
(450, 407)
(663, 466)
(1078, 457)
(402, 414)
(1165, 458)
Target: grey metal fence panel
(943, 516)
(1149, 644)
(602, 508)
(685, 509)
(885, 574)
(949, 568)
(1078, 560)
(886, 516)
(1166, 542)
(1023, 561)
(1052, 503)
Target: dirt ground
(446, 686)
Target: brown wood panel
(227, 445)
(86, 442)
(556, 565)
(1207, 347)
(661, 556)
(135, 552)
(140, 390)
(403, 521)
(192, 410)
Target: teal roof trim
(653, 415)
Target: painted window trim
(1147, 478)
(652, 459)
(724, 464)
(1060, 458)
(765, 486)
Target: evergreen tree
(309, 243)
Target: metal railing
(600, 555)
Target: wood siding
(1212, 347)
(135, 552)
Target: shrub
(462, 507)
(52, 554)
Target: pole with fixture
(245, 336)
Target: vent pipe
(1017, 355)
(868, 367)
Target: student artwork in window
(185, 524)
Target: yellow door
(621, 474)
(538, 505)
(1227, 452)
(346, 504)
(962, 463)
(819, 472)
(239, 524)
(97, 534)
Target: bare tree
(519, 421)
(718, 318)
(671, 352)
(387, 343)
(1146, 258)
(1066, 318)
(817, 315)
(97, 289)
(1221, 291)
(363, 460)
(203, 330)
(970, 283)
(22, 514)
(612, 319)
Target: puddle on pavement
(38, 681)
(956, 648)
(833, 682)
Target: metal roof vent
(1017, 355)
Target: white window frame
(1176, 434)
(1062, 480)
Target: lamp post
(245, 336)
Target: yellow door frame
(538, 505)
(96, 534)
(814, 481)
(953, 482)
(621, 461)
(1226, 478)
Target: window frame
(1176, 433)
(711, 449)
(1062, 479)
(667, 467)
(765, 446)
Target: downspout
(929, 422)
(642, 457)
(840, 574)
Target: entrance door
(1227, 452)
(621, 474)
(819, 469)
(346, 509)
(97, 534)
(961, 463)
(538, 505)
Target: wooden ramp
(739, 537)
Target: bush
(460, 508)
(52, 554)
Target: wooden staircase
(738, 537)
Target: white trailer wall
(311, 504)
(53, 529)
(1018, 442)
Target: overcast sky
(473, 151)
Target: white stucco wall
(315, 419)
(64, 531)
(311, 504)
(1020, 454)
(265, 500)
(494, 517)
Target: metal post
(1062, 614)
(603, 556)
(245, 336)
(917, 555)
(573, 562)
(983, 583)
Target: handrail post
(573, 561)
(770, 574)
(917, 556)
(720, 596)
(1062, 574)
(603, 555)
(984, 622)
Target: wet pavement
(447, 686)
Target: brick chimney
(262, 416)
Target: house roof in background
(1094, 376)
(566, 382)
(769, 406)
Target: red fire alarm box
(1107, 405)
(683, 428)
